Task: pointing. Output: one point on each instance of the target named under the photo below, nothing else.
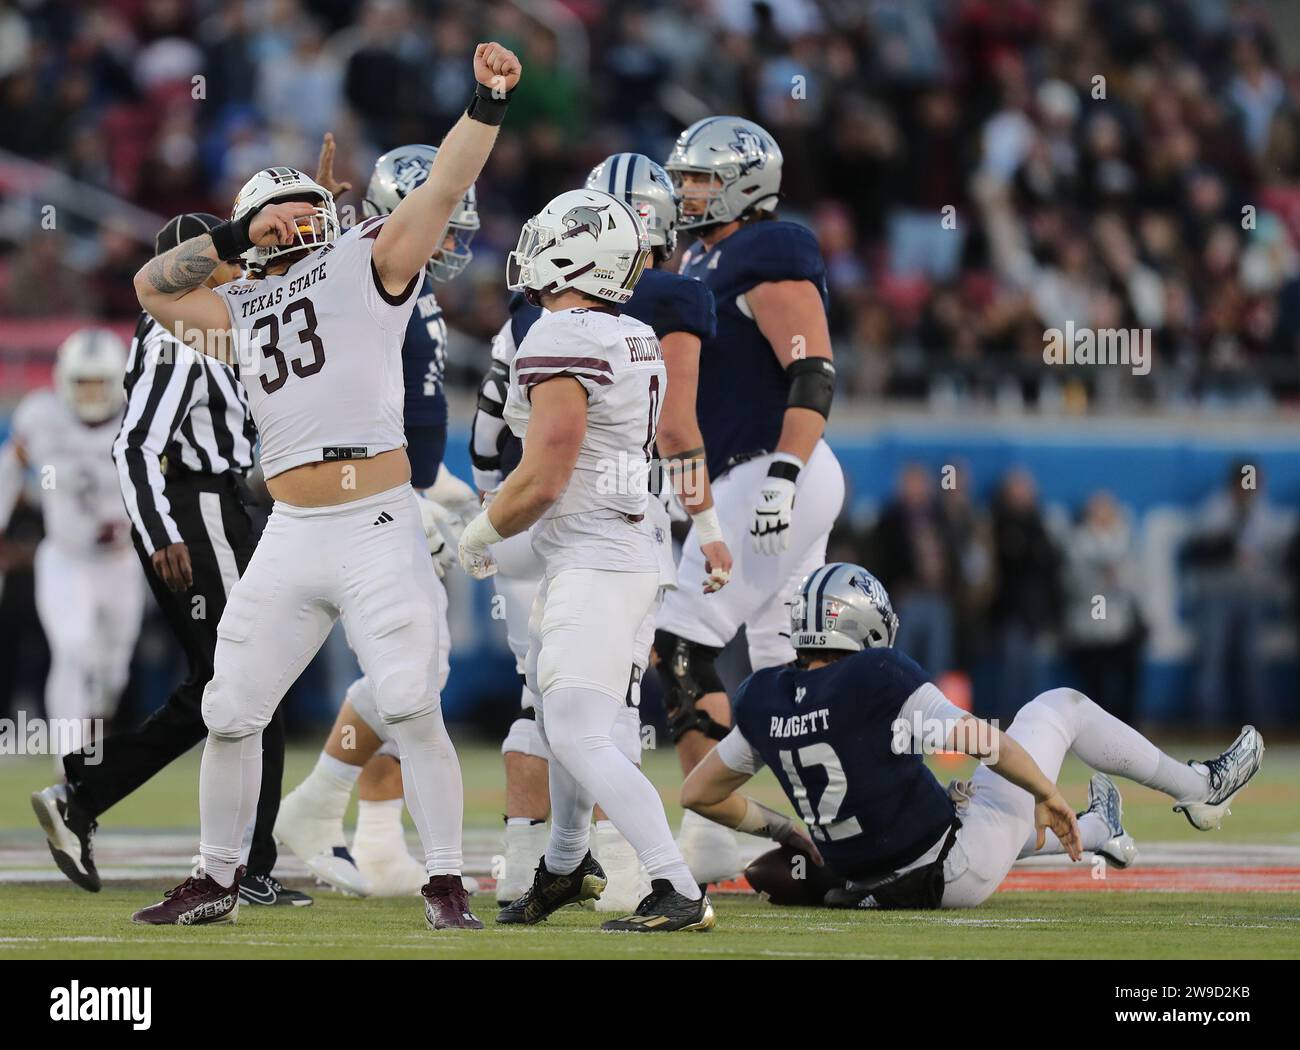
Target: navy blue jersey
(743, 388)
(828, 736)
(671, 302)
(424, 358)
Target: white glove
(474, 542)
(454, 494)
(442, 531)
(771, 528)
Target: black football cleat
(446, 904)
(665, 911)
(269, 891)
(70, 834)
(549, 893)
(198, 901)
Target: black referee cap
(182, 228)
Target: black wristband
(486, 107)
(783, 468)
(231, 239)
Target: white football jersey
(620, 364)
(73, 462)
(319, 350)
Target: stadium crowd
(977, 171)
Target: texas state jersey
(742, 386)
(667, 302)
(620, 365)
(424, 361)
(80, 499)
(319, 350)
(829, 735)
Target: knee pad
(362, 698)
(525, 738)
(226, 713)
(405, 692)
(687, 671)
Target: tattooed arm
(171, 286)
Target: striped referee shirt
(186, 406)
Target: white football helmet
(583, 239)
(640, 182)
(743, 160)
(397, 173)
(842, 606)
(287, 184)
(88, 374)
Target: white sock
(230, 780)
(1106, 744)
(381, 820)
(329, 785)
(578, 724)
(432, 784)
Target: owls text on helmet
(583, 239)
(842, 606)
(279, 185)
(397, 174)
(742, 161)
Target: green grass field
(54, 920)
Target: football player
(360, 753)
(89, 593)
(585, 395)
(681, 313)
(844, 730)
(320, 329)
(765, 386)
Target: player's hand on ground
(325, 167)
(1055, 813)
(717, 566)
(442, 530)
(496, 67)
(277, 223)
(172, 564)
(770, 530)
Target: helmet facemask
(449, 261)
(312, 231)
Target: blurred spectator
(1026, 602)
(919, 564)
(1103, 627)
(1236, 552)
(42, 283)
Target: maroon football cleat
(446, 904)
(198, 901)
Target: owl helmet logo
(585, 218)
(751, 149)
(409, 173)
(871, 588)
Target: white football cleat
(710, 850)
(318, 841)
(524, 846)
(628, 882)
(1104, 799)
(388, 865)
(1228, 774)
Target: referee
(185, 444)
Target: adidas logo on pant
(383, 519)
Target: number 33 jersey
(319, 350)
(620, 365)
